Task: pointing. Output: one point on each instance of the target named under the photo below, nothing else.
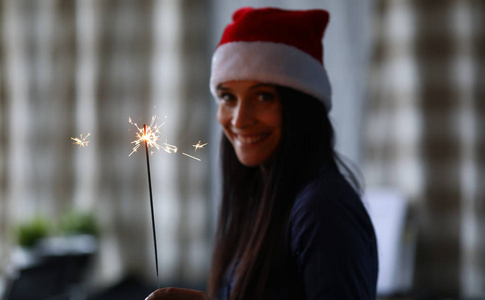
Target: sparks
(81, 141)
(150, 136)
(169, 148)
(198, 146)
(193, 157)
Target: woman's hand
(172, 293)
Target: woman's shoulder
(332, 240)
(328, 202)
(329, 188)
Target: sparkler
(149, 136)
(81, 141)
(153, 143)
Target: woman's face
(251, 117)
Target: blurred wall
(424, 134)
(78, 67)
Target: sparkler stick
(151, 205)
(149, 136)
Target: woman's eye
(266, 97)
(226, 97)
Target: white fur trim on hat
(273, 63)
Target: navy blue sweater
(331, 250)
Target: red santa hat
(276, 46)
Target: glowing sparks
(81, 141)
(150, 136)
(191, 156)
(199, 146)
(169, 148)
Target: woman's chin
(250, 161)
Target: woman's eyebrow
(262, 85)
(221, 87)
(253, 87)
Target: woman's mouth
(248, 140)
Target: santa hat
(276, 46)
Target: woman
(290, 225)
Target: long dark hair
(256, 201)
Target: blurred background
(408, 82)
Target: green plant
(78, 222)
(30, 232)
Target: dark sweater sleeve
(333, 243)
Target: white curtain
(424, 134)
(86, 66)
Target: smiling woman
(250, 115)
(290, 225)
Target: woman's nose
(243, 115)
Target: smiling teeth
(250, 139)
